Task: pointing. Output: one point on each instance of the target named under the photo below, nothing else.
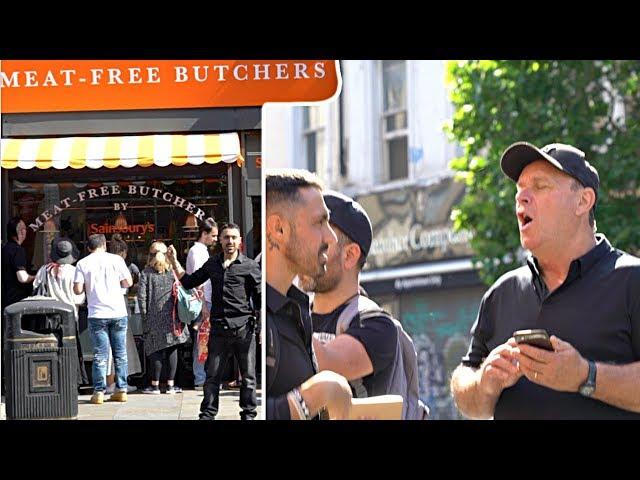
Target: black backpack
(404, 378)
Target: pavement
(181, 406)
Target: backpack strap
(363, 308)
(358, 304)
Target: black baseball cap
(349, 216)
(566, 158)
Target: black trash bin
(41, 365)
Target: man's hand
(329, 390)
(338, 396)
(564, 369)
(499, 370)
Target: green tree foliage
(593, 105)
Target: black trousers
(166, 357)
(223, 344)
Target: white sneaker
(131, 388)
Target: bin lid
(38, 304)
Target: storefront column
(230, 192)
(6, 192)
(5, 218)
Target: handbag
(186, 304)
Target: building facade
(145, 173)
(382, 142)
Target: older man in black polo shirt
(584, 292)
(235, 279)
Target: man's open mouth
(525, 220)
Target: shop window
(313, 125)
(142, 211)
(139, 208)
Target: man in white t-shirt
(103, 275)
(197, 256)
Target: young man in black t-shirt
(365, 350)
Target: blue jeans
(108, 333)
(198, 368)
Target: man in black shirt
(365, 352)
(16, 281)
(235, 280)
(585, 293)
(298, 237)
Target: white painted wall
(428, 108)
(364, 127)
(278, 137)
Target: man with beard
(576, 286)
(365, 352)
(235, 279)
(298, 237)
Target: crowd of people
(226, 284)
(327, 344)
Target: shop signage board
(29, 86)
(412, 225)
(108, 190)
(106, 228)
(423, 283)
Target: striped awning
(120, 151)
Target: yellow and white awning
(120, 151)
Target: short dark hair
(283, 185)
(12, 227)
(207, 226)
(343, 240)
(117, 245)
(96, 240)
(229, 225)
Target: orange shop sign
(90, 85)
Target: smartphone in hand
(536, 338)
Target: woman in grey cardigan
(162, 329)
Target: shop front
(143, 149)
(420, 270)
(154, 146)
(140, 203)
(142, 187)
